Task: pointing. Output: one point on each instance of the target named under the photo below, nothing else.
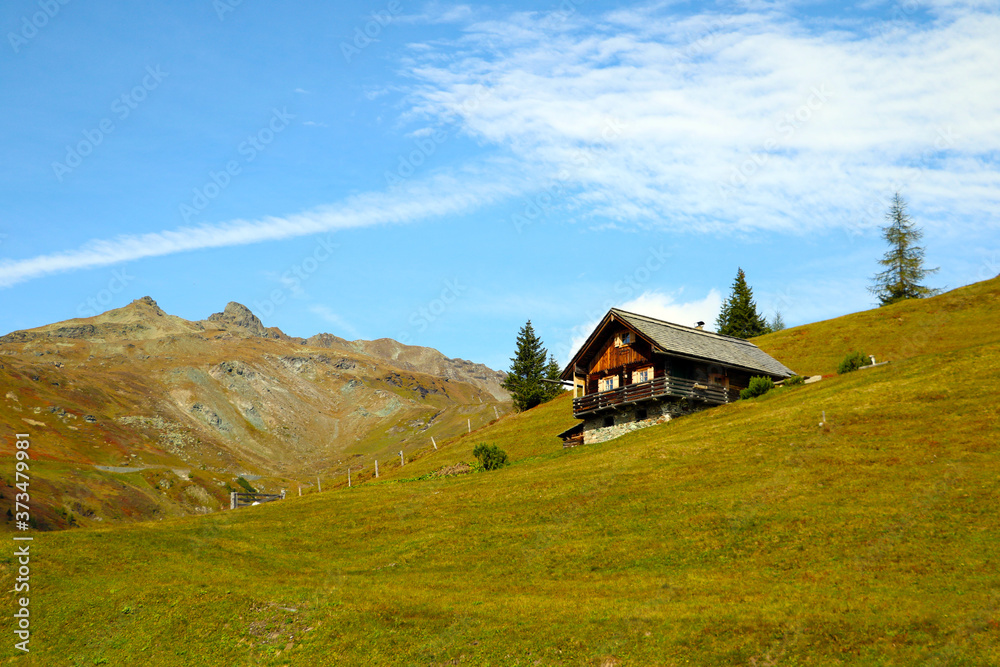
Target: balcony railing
(665, 386)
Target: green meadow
(755, 533)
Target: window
(642, 375)
(641, 414)
(623, 339)
(609, 421)
(608, 383)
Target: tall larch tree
(527, 370)
(903, 262)
(739, 316)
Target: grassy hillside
(749, 534)
(965, 317)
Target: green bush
(794, 380)
(853, 362)
(490, 457)
(759, 385)
(246, 485)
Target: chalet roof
(672, 338)
(576, 429)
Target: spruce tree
(903, 262)
(528, 367)
(552, 373)
(739, 316)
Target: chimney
(701, 326)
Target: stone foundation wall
(626, 420)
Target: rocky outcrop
(236, 315)
(420, 359)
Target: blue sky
(439, 173)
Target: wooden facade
(635, 371)
(623, 357)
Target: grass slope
(748, 534)
(965, 317)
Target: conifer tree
(777, 322)
(552, 373)
(528, 367)
(903, 262)
(739, 316)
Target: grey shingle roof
(701, 344)
(704, 344)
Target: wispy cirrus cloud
(723, 121)
(328, 315)
(432, 197)
(750, 120)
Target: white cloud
(328, 315)
(750, 120)
(433, 197)
(711, 122)
(660, 305)
(437, 12)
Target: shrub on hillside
(794, 380)
(759, 385)
(853, 362)
(490, 457)
(246, 485)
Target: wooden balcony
(667, 386)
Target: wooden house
(635, 371)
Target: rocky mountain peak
(147, 305)
(238, 315)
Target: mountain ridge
(125, 399)
(143, 318)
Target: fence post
(319, 484)
(348, 478)
(300, 490)
(401, 461)
(470, 425)
(495, 412)
(433, 442)
(376, 467)
(232, 500)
